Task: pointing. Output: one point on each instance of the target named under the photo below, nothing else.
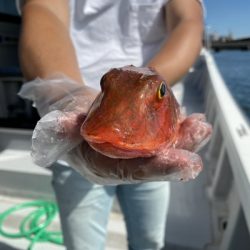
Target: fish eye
(162, 90)
(102, 83)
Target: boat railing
(227, 159)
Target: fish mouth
(120, 150)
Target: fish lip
(119, 150)
(120, 145)
(114, 151)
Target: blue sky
(224, 16)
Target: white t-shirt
(114, 33)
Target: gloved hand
(169, 164)
(58, 133)
(63, 104)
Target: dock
(234, 44)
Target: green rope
(33, 226)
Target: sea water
(235, 69)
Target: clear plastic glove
(63, 104)
(58, 134)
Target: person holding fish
(99, 132)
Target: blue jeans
(85, 207)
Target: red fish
(137, 116)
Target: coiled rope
(34, 226)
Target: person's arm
(185, 26)
(45, 46)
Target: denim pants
(85, 207)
